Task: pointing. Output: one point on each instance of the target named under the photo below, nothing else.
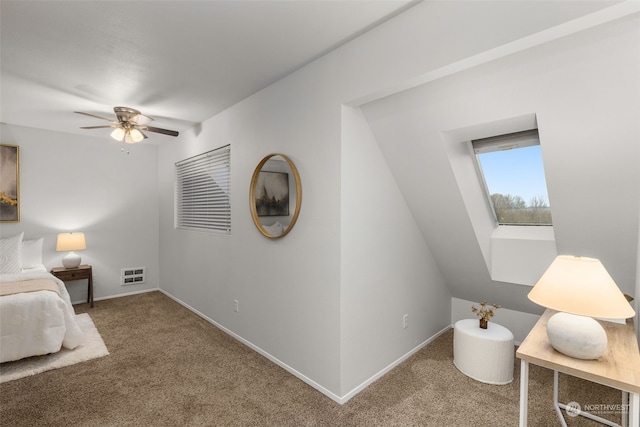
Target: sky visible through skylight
(516, 172)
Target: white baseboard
(254, 347)
(389, 367)
(339, 399)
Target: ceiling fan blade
(141, 119)
(160, 130)
(93, 115)
(97, 127)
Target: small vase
(484, 323)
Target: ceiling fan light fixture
(136, 135)
(128, 125)
(128, 138)
(118, 134)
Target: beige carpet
(91, 348)
(168, 367)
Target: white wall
(387, 270)
(585, 92)
(74, 183)
(288, 289)
(292, 305)
(636, 302)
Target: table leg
(625, 416)
(556, 399)
(524, 392)
(634, 409)
(90, 293)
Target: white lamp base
(577, 336)
(71, 260)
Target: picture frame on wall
(272, 194)
(9, 183)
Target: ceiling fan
(129, 125)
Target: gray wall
(73, 183)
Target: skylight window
(513, 173)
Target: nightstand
(78, 273)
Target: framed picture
(9, 183)
(272, 194)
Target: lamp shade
(71, 242)
(582, 286)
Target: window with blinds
(202, 199)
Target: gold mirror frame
(252, 199)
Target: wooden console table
(619, 367)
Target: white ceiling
(180, 62)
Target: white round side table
(486, 355)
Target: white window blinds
(202, 199)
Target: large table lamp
(71, 242)
(579, 288)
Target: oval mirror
(275, 195)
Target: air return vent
(132, 276)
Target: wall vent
(132, 276)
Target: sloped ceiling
(180, 62)
(581, 88)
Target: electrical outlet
(236, 306)
(405, 321)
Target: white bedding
(36, 323)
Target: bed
(36, 315)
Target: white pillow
(11, 254)
(32, 253)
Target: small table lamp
(580, 288)
(71, 242)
